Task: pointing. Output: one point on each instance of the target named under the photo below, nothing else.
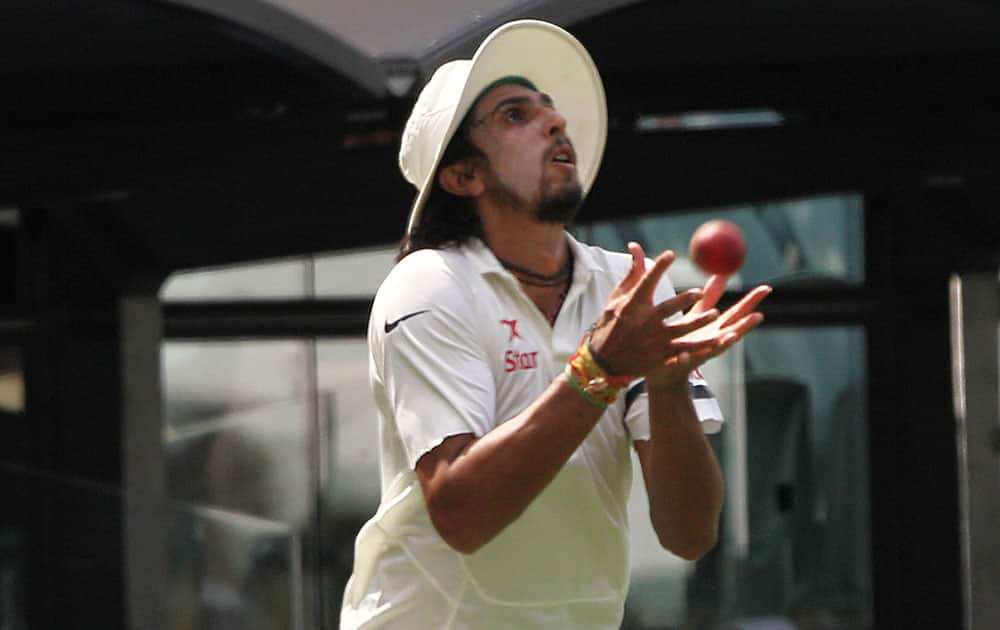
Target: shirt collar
(485, 262)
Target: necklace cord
(535, 279)
(551, 279)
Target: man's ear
(462, 179)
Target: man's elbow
(692, 546)
(456, 530)
(461, 541)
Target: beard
(558, 207)
(562, 206)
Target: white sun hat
(544, 54)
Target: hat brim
(560, 66)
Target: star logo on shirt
(512, 324)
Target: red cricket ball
(718, 247)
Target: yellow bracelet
(596, 367)
(596, 385)
(583, 392)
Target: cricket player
(514, 367)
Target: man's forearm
(491, 480)
(683, 479)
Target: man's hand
(720, 333)
(633, 337)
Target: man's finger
(676, 304)
(713, 290)
(692, 345)
(652, 278)
(695, 357)
(637, 269)
(689, 324)
(747, 304)
(745, 325)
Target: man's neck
(528, 243)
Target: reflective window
(206, 380)
(342, 274)
(279, 279)
(353, 273)
(272, 453)
(794, 549)
(351, 491)
(229, 570)
(242, 461)
(815, 241)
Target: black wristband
(599, 360)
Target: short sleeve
(430, 370)
(706, 407)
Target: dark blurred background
(198, 200)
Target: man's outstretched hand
(721, 332)
(634, 338)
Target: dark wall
(63, 463)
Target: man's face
(529, 163)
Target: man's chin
(562, 207)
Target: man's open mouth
(563, 154)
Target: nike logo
(391, 326)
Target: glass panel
(276, 280)
(242, 458)
(816, 241)
(809, 517)
(357, 273)
(657, 598)
(206, 380)
(351, 494)
(230, 571)
(794, 548)
(353, 273)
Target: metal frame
(144, 478)
(975, 318)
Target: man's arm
(683, 480)
(682, 476)
(474, 487)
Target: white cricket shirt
(457, 347)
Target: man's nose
(555, 122)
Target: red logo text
(515, 360)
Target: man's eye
(513, 115)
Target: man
(513, 367)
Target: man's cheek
(523, 179)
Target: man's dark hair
(447, 220)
